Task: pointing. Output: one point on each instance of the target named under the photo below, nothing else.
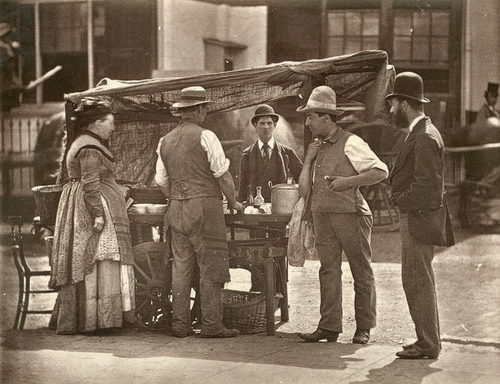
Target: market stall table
(266, 255)
(269, 254)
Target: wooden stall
(143, 114)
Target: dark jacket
(417, 175)
(417, 179)
(289, 166)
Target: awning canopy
(144, 113)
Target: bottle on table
(250, 199)
(259, 199)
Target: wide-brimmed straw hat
(322, 99)
(191, 96)
(264, 110)
(409, 84)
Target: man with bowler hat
(337, 163)
(417, 180)
(488, 109)
(266, 160)
(192, 172)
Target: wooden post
(270, 288)
(70, 137)
(283, 280)
(323, 36)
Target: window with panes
(421, 43)
(350, 31)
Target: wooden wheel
(153, 276)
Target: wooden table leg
(270, 288)
(283, 281)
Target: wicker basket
(47, 199)
(246, 311)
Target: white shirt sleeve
(361, 156)
(219, 164)
(161, 176)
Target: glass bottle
(250, 199)
(259, 199)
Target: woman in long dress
(92, 252)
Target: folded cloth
(301, 237)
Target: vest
(331, 160)
(268, 172)
(187, 164)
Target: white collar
(414, 122)
(270, 143)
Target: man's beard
(400, 120)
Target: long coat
(417, 181)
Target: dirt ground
(467, 276)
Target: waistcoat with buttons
(187, 164)
(331, 160)
(268, 172)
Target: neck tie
(265, 152)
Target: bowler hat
(322, 99)
(264, 110)
(492, 89)
(191, 96)
(409, 84)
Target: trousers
(351, 234)
(198, 237)
(420, 289)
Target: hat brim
(422, 100)
(185, 104)
(304, 108)
(265, 114)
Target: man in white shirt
(266, 160)
(192, 172)
(337, 163)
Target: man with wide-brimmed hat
(337, 163)
(266, 160)
(488, 109)
(192, 172)
(417, 180)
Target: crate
(246, 311)
(47, 200)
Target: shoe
(361, 336)
(182, 334)
(320, 334)
(412, 353)
(407, 346)
(223, 333)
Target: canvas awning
(143, 107)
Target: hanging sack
(301, 237)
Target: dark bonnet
(90, 110)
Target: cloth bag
(301, 237)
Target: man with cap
(488, 109)
(192, 172)
(417, 180)
(266, 160)
(337, 163)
